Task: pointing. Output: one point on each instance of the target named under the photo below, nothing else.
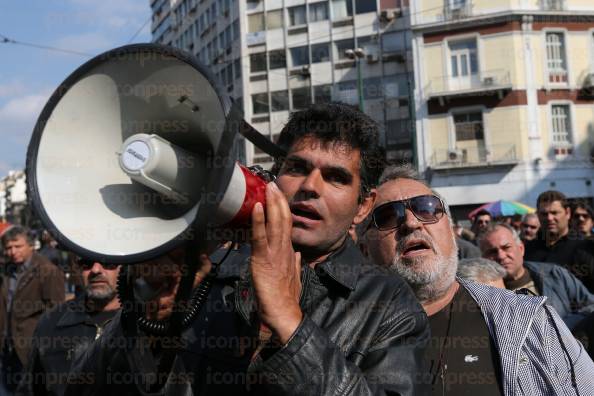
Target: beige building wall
(503, 127)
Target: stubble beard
(101, 295)
(430, 278)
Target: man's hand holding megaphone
(275, 268)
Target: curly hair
(336, 123)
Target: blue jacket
(566, 293)
(538, 354)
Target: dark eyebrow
(331, 169)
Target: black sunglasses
(88, 264)
(427, 208)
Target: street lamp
(357, 54)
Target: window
(398, 132)
(320, 53)
(277, 59)
(274, 19)
(341, 9)
(252, 4)
(342, 46)
(556, 58)
(299, 56)
(258, 62)
(396, 86)
(463, 58)
(236, 29)
(318, 11)
(561, 125)
(256, 22)
(469, 126)
(279, 100)
(237, 67)
(363, 6)
(229, 71)
(372, 88)
(301, 98)
(260, 103)
(323, 93)
(347, 92)
(297, 16)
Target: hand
(275, 266)
(163, 276)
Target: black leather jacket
(61, 336)
(363, 333)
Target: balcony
(494, 81)
(472, 157)
(454, 10)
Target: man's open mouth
(305, 211)
(414, 247)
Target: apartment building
(504, 98)
(275, 57)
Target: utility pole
(357, 54)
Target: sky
(29, 75)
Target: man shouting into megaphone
(298, 312)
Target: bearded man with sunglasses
(65, 333)
(485, 340)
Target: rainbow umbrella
(503, 208)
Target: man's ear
(365, 206)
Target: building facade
(277, 56)
(505, 98)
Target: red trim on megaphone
(255, 191)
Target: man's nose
(96, 267)
(410, 223)
(313, 182)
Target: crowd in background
(508, 252)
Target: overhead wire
(7, 40)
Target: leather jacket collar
(343, 267)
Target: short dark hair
(337, 123)
(582, 205)
(552, 196)
(480, 213)
(15, 232)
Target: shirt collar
(344, 265)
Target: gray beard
(429, 279)
(100, 296)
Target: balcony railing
(488, 80)
(456, 9)
(498, 154)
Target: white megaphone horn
(133, 148)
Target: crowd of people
(355, 280)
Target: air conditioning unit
(488, 81)
(372, 57)
(389, 15)
(457, 155)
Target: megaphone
(131, 148)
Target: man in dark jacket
(556, 245)
(30, 286)
(311, 315)
(66, 332)
(570, 298)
